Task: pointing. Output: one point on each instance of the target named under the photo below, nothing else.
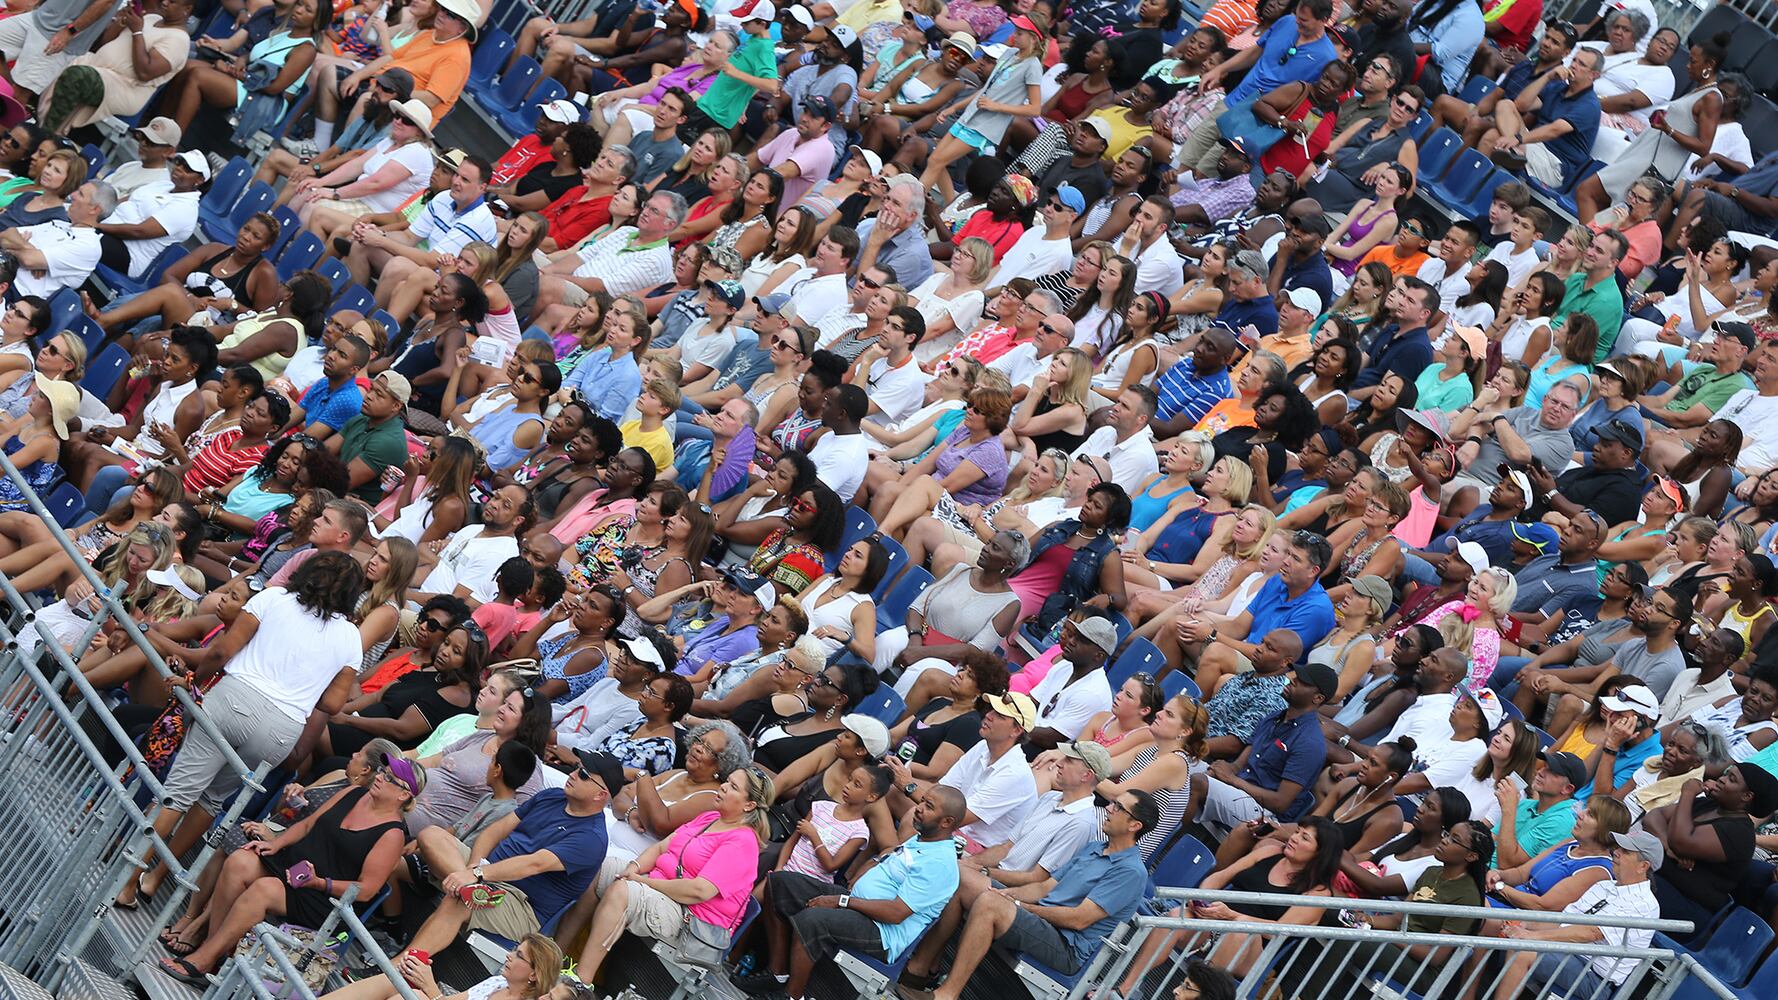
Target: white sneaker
(301, 148)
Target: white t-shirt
(1517, 265)
(896, 391)
(1448, 762)
(415, 156)
(1427, 720)
(1451, 287)
(295, 654)
(1067, 708)
(130, 177)
(812, 299)
(1132, 460)
(698, 347)
(1001, 793)
(305, 367)
(1655, 83)
(177, 212)
(469, 560)
(1033, 255)
(840, 460)
(1157, 267)
(1757, 416)
(71, 252)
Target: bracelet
(329, 889)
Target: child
(1509, 199)
(835, 832)
(499, 617)
(659, 400)
(1518, 252)
(512, 766)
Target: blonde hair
(666, 390)
(1080, 377)
(485, 257)
(761, 790)
(1240, 488)
(546, 965)
(628, 305)
(74, 349)
(1268, 522)
(982, 252)
(1206, 450)
(169, 603)
(404, 556)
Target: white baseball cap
(1634, 698)
(1473, 554)
(764, 10)
(195, 161)
(562, 110)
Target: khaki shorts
(34, 67)
(968, 541)
(1542, 165)
(353, 208)
(512, 919)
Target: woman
(35, 444)
(391, 566)
(1011, 90)
(1562, 873)
(1074, 561)
(1522, 326)
(1703, 556)
(689, 177)
(780, 740)
(459, 770)
(1282, 421)
(437, 618)
(969, 607)
(1690, 750)
(1133, 356)
(840, 610)
(572, 152)
(1173, 547)
(531, 972)
(1351, 648)
(433, 500)
(377, 180)
(269, 338)
(1392, 870)
(1169, 767)
(1304, 112)
(61, 359)
(353, 842)
(1380, 415)
(1202, 48)
(508, 433)
(1686, 129)
(1329, 372)
(650, 746)
(1130, 120)
(793, 241)
(289, 51)
(1746, 720)
(123, 570)
(1487, 287)
(1359, 157)
(1360, 304)
(1640, 220)
(1082, 278)
(1133, 710)
(951, 300)
(724, 184)
(1570, 358)
(777, 676)
(932, 86)
(627, 480)
(624, 208)
(1367, 544)
(1745, 608)
(654, 806)
(573, 661)
(1363, 807)
(1490, 596)
(1085, 88)
(63, 174)
(799, 428)
(406, 711)
(795, 553)
(1512, 756)
(633, 106)
(1372, 220)
(747, 222)
(1449, 383)
(932, 739)
(1099, 317)
(1172, 485)
(745, 520)
(649, 567)
(1708, 836)
(1705, 473)
(822, 774)
(920, 432)
(695, 882)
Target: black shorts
(1733, 217)
(824, 933)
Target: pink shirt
(1416, 529)
(1484, 652)
(835, 833)
(727, 859)
(813, 159)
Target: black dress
(336, 852)
(964, 731)
(419, 689)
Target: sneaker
(301, 148)
(759, 984)
(217, 163)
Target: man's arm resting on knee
(491, 837)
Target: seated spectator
(116, 78)
(1531, 824)
(1634, 856)
(1564, 872)
(1550, 127)
(525, 975)
(624, 261)
(653, 806)
(61, 254)
(193, 289)
(154, 218)
(1270, 778)
(437, 59)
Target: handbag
(700, 941)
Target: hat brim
(425, 130)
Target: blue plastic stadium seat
(356, 298)
(103, 371)
(892, 610)
(300, 254)
(257, 198)
(1436, 153)
(225, 190)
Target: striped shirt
(834, 834)
(215, 466)
(625, 265)
(446, 230)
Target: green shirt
(727, 96)
(1707, 386)
(1433, 887)
(1438, 393)
(1604, 302)
(378, 447)
(1538, 831)
(448, 732)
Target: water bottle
(748, 961)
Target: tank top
(1351, 830)
(1558, 865)
(496, 432)
(1062, 439)
(1146, 508)
(1259, 879)
(1355, 234)
(1741, 624)
(836, 613)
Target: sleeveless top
(552, 661)
(1355, 234)
(337, 852)
(497, 431)
(1258, 879)
(41, 474)
(1146, 508)
(1558, 865)
(1740, 624)
(836, 613)
(1171, 800)
(236, 283)
(271, 365)
(1065, 440)
(1351, 830)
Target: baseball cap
(1095, 756)
(1521, 482)
(563, 111)
(871, 159)
(870, 732)
(822, 106)
(195, 161)
(1566, 766)
(1321, 677)
(1489, 702)
(1539, 536)
(1738, 331)
(1099, 632)
(609, 769)
(1472, 338)
(1100, 127)
(643, 651)
(1473, 554)
(1069, 195)
(1376, 590)
(729, 291)
(748, 582)
(1305, 299)
(1644, 844)
(1634, 698)
(800, 15)
(162, 132)
(395, 384)
(1015, 706)
(762, 11)
(399, 82)
(773, 304)
(844, 35)
(1623, 433)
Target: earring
(829, 716)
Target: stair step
(14, 985)
(160, 986)
(86, 982)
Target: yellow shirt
(865, 13)
(658, 443)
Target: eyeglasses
(525, 378)
(1118, 806)
(802, 506)
(822, 680)
(586, 775)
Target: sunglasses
(868, 283)
(434, 625)
(1050, 328)
(525, 378)
(586, 775)
(822, 680)
(802, 506)
(786, 344)
(308, 443)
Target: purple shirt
(733, 470)
(988, 455)
(711, 644)
(678, 78)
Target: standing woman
(1011, 91)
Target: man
(1207, 200)
(1194, 385)
(994, 776)
(898, 896)
(437, 59)
(1610, 483)
(1294, 49)
(1753, 410)
(1297, 311)
(1076, 688)
(1521, 436)
(1402, 345)
(136, 54)
(1531, 824)
(622, 262)
(1701, 687)
(534, 150)
(1247, 699)
(57, 255)
(1158, 268)
(1292, 599)
(1376, 84)
(754, 360)
(733, 443)
(340, 526)
(1060, 826)
(1044, 249)
(1126, 440)
(1040, 329)
(1551, 126)
(801, 155)
(324, 407)
(1744, 204)
(1626, 894)
(1061, 921)
(156, 142)
(841, 455)
(1566, 578)
(1427, 720)
(446, 224)
(1594, 290)
(752, 69)
(45, 39)
(155, 218)
(465, 564)
(1300, 262)
(813, 297)
(1448, 269)
(1694, 401)
(1083, 169)
(1630, 714)
(659, 148)
(893, 381)
(1473, 119)
(375, 439)
(842, 331)
(391, 87)
(1271, 780)
(1249, 301)
(896, 235)
(544, 856)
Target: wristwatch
(845, 899)
(909, 789)
(477, 872)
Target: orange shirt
(1397, 266)
(440, 70)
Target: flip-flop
(176, 944)
(481, 895)
(185, 972)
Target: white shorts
(1226, 807)
(1542, 165)
(22, 41)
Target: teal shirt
(727, 96)
(1604, 302)
(1537, 831)
(1438, 393)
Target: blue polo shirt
(323, 404)
(579, 842)
(920, 873)
(1310, 616)
(1182, 390)
(1628, 759)
(1404, 352)
(1313, 274)
(1116, 882)
(1574, 149)
(1286, 749)
(1282, 60)
(1261, 312)
(1548, 585)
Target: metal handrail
(1270, 899)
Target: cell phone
(1263, 827)
(136, 7)
(1516, 782)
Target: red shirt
(214, 465)
(525, 156)
(1517, 24)
(1002, 234)
(571, 219)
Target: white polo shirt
(1001, 793)
(1132, 459)
(813, 298)
(1053, 833)
(71, 252)
(445, 229)
(176, 211)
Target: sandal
(185, 972)
(481, 895)
(176, 943)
